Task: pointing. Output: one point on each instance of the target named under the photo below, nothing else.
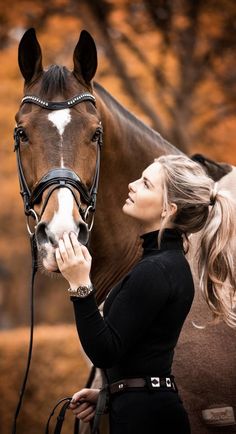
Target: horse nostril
(43, 235)
(83, 233)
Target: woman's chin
(125, 209)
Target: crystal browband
(58, 105)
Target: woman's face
(145, 199)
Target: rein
(56, 178)
(29, 356)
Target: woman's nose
(132, 186)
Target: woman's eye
(146, 184)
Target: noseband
(59, 177)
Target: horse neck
(129, 147)
(126, 135)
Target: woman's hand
(73, 260)
(83, 404)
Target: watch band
(82, 291)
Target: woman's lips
(129, 199)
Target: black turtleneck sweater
(143, 314)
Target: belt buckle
(122, 385)
(155, 382)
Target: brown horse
(58, 140)
(67, 138)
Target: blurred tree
(201, 38)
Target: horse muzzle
(47, 241)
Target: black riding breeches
(144, 412)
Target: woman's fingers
(85, 394)
(89, 416)
(86, 253)
(75, 244)
(68, 249)
(68, 246)
(83, 404)
(77, 395)
(74, 260)
(85, 411)
(58, 258)
(63, 251)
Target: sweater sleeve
(142, 296)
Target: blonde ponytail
(216, 265)
(200, 207)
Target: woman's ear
(171, 211)
(173, 208)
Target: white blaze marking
(60, 118)
(62, 220)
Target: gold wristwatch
(82, 291)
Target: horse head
(57, 140)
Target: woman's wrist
(75, 285)
(81, 291)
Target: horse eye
(96, 135)
(22, 134)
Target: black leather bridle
(59, 177)
(55, 178)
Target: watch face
(84, 290)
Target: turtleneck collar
(171, 240)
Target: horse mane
(134, 120)
(54, 81)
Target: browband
(58, 105)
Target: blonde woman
(144, 313)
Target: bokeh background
(173, 64)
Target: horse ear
(85, 57)
(29, 55)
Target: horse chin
(50, 266)
(46, 257)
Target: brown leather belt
(150, 383)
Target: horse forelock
(54, 81)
